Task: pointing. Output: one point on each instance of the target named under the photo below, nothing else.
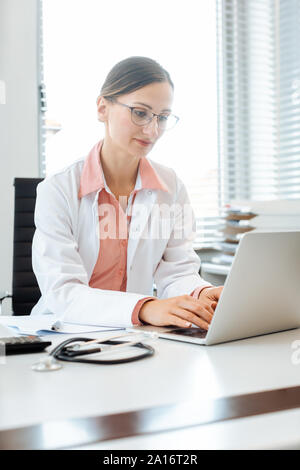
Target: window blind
(206, 204)
(289, 102)
(258, 102)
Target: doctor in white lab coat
(135, 107)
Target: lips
(144, 142)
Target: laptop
(261, 294)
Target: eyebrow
(147, 106)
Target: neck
(120, 169)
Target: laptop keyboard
(194, 332)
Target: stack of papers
(46, 324)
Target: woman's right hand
(181, 311)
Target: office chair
(25, 290)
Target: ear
(102, 109)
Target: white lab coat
(66, 246)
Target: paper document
(45, 324)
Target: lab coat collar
(93, 179)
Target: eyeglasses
(142, 117)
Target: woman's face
(121, 132)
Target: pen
(136, 336)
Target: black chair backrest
(25, 290)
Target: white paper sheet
(45, 324)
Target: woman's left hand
(211, 294)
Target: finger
(190, 317)
(208, 308)
(212, 297)
(203, 303)
(202, 313)
(214, 294)
(177, 321)
(201, 309)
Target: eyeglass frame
(113, 100)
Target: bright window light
(83, 40)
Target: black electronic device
(23, 344)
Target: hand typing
(181, 311)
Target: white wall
(19, 146)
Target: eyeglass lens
(142, 117)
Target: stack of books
(261, 216)
(236, 223)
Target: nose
(151, 129)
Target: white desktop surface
(178, 372)
(272, 431)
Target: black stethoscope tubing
(60, 352)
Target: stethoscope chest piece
(46, 364)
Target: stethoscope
(73, 350)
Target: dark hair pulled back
(131, 74)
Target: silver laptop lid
(262, 291)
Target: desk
(178, 372)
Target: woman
(111, 224)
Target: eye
(163, 118)
(140, 113)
